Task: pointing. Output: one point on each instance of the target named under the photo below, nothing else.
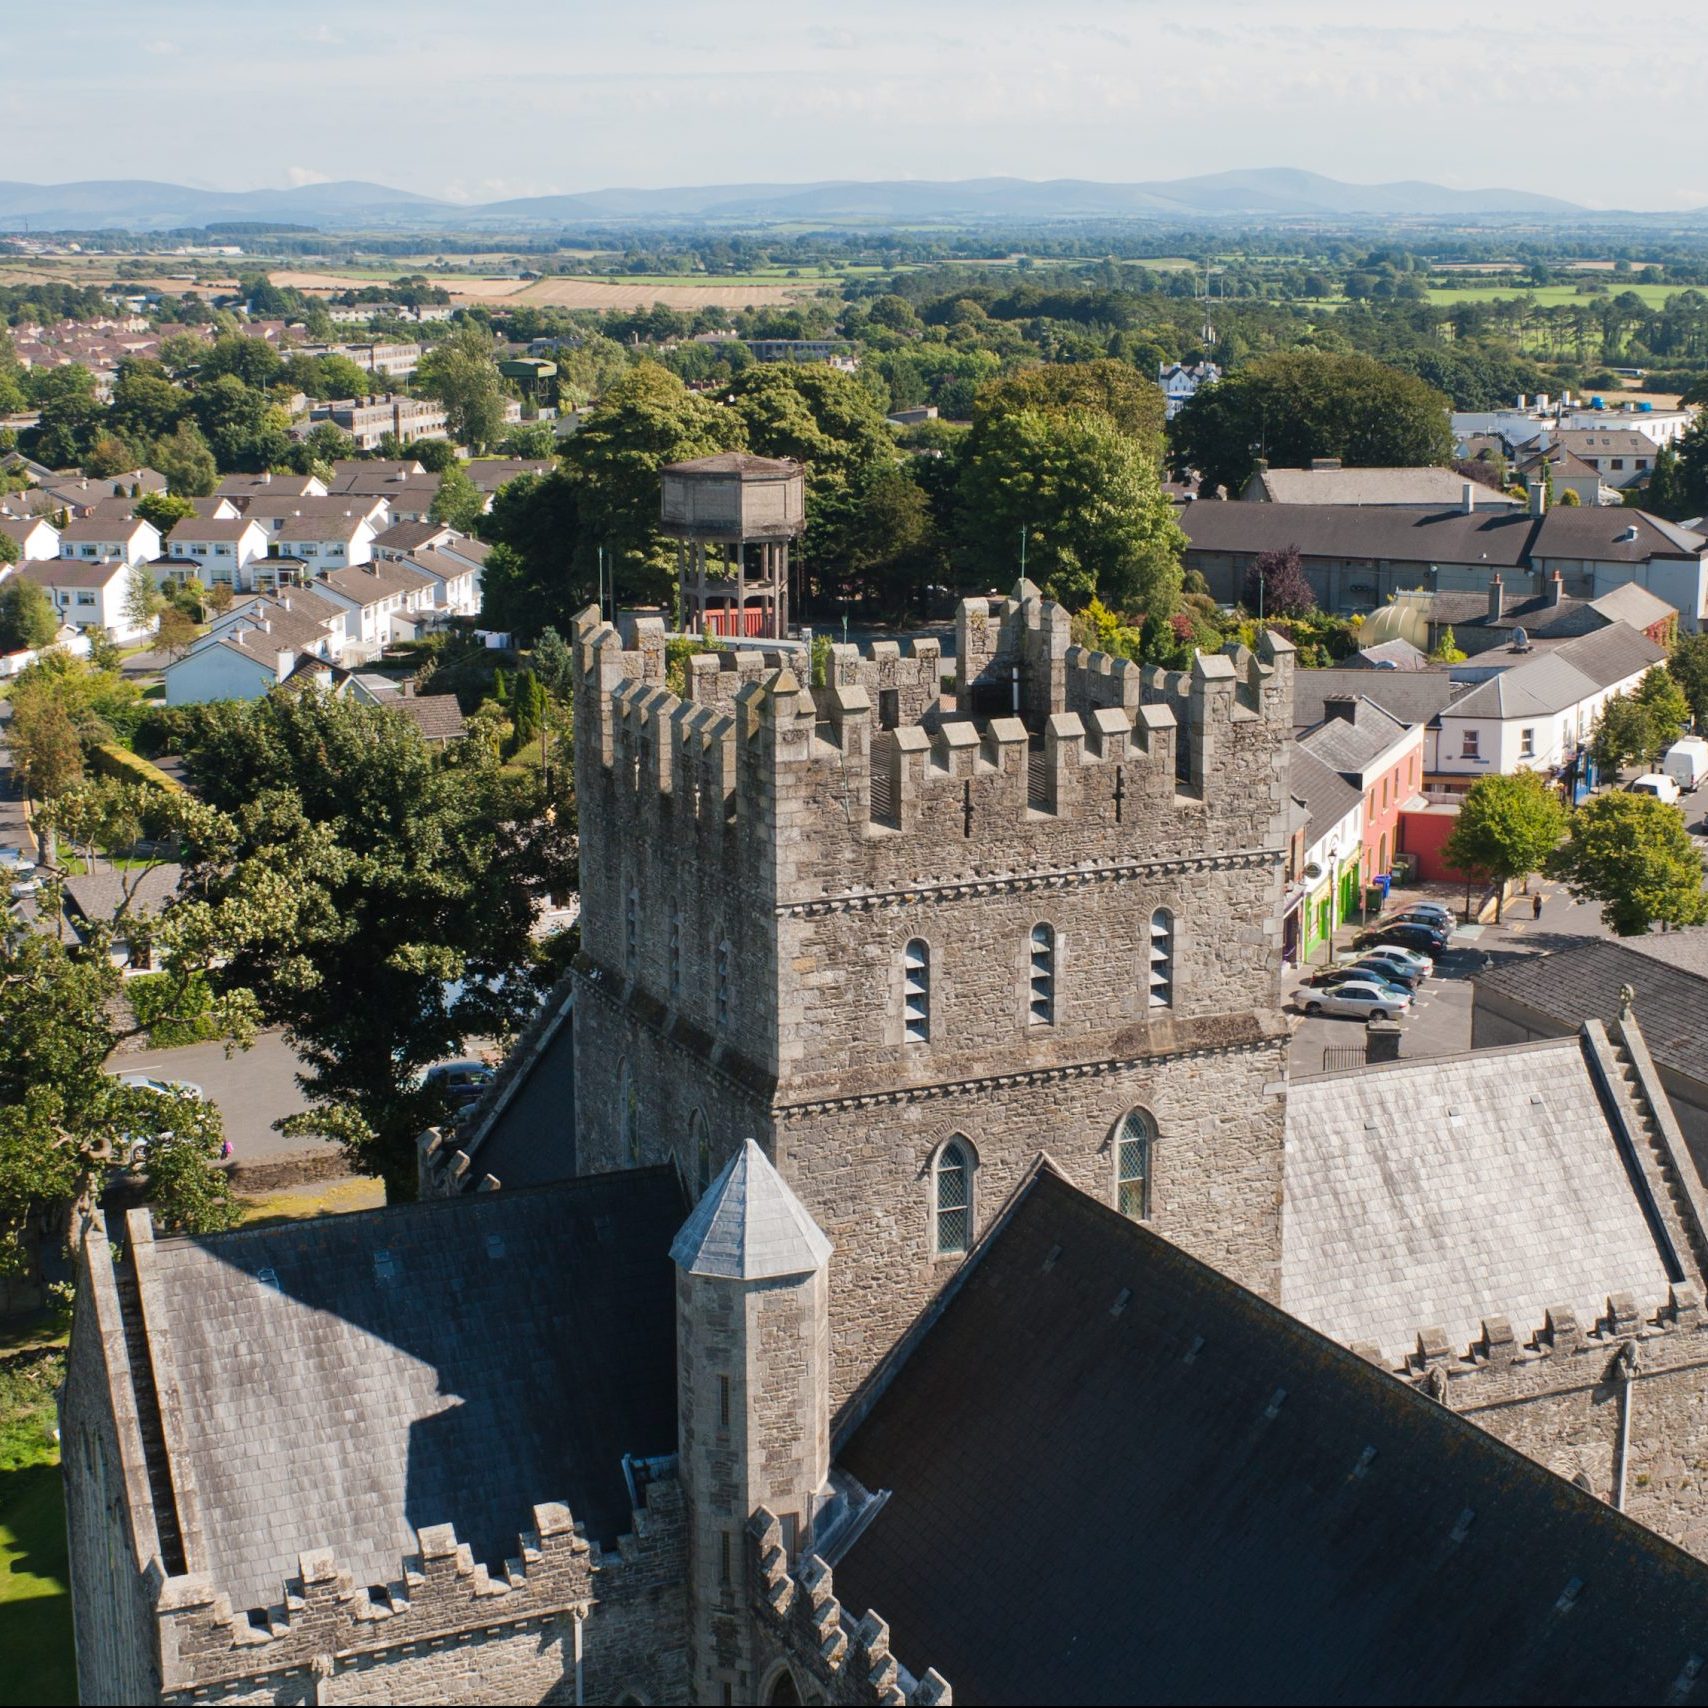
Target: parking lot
(1439, 1022)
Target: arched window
(1134, 1139)
(952, 1186)
(1042, 1011)
(628, 1114)
(700, 1148)
(916, 990)
(1162, 959)
(675, 953)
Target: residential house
(95, 897)
(1620, 456)
(93, 539)
(1326, 482)
(76, 494)
(1357, 558)
(1483, 622)
(1381, 756)
(490, 473)
(271, 484)
(222, 550)
(437, 717)
(88, 594)
(1180, 382)
(253, 648)
(407, 489)
(453, 560)
(1324, 873)
(384, 601)
(1567, 473)
(35, 537)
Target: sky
(534, 97)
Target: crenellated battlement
(848, 1659)
(1498, 1367)
(442, 1595)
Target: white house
(1180, 382)
(270, 485)
(1533, 714)
(88, 595)
(95, 538)
(253, 647)
(35, 537)
(1541, 419)
(223, 549)
(340, 529)
(407, 489)
(453, 560)
(384, 600)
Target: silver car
(1356, 1000)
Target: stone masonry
(758, 858)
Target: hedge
(110, 760)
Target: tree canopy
(1507, 828)
(1633, 854)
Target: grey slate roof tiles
(750, 1226)
(347, 1380)
(1115, 1477)
(1440, 1192)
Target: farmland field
(602, 293)
(1551, 296)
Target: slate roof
(1413, 696)
(490, 473)
(97, 895)
(1350, 744)
(72, 572)
(750, 1226)
(378, 579)
(270, 485)
(1325, 795)
(20, 528)
(1115, 1476)
(1435, 487)
(95, 530)
(1389, 655)
(1668, 973)
(198, 528)
(1573, 672)
(736, 462)
(346, 1380)
(406, 536)
(1634, 605)
(1440, 1192)
(436, 716)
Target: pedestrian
(1536, 906)
(225, 1150)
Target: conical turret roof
(750, 1226)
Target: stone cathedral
(873, 1280)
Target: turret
(753, 1398)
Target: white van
(1655, 783)
(1686, 762)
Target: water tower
(734, 517)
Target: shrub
(108, 759)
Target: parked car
(1354, 973)
(1392, 955)
(1427, 910)
(16, 861)
(1375, 964)
(133, 1148)
(1358, 999)
(1403, 934)
(24, 887)
(462, 1082)
(1656, 783)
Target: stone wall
(1562, 1394)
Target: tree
(1621, 735)
(537, 439)
(71, 416)
(1089, 502)
(164, 509)
(1632, 854)
(142, 596)
(1689, 669)
(28, 620)
(554, 663)
(434, 455)
(242, 428)
(146, 404)
(251, 361)
(400, 886)
(458, 503)
(184, 457)
(1276, 586)
(1447, 648)
(176, 633)
(45, 749)
(1668, 711)
(109, 455)
(1130, 399)
(65, 1122)
(1300, 404)
(1508, 827)
(463, 376)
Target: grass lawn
(317, 1198)
(35, 1600)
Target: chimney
(1342, 706)
(1538, 498)
(267, 477)
(1497, 599)
(1468, 497)
(1381, 1042)
(1523, 401)
(1556, 588)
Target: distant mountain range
(1261, 193)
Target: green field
(1552, 296)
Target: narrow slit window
(722, 976)
(1042, 1011)
(631, 931)
(629, 1111)
(675, 953)
(1134, 1140)
(701, 1145)
(916, 990)
(1162, 959)
(954, 1188)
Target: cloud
(162, 49)
(299, 176)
